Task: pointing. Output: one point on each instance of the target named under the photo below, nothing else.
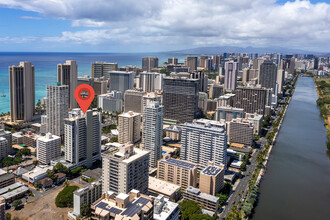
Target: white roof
(162, 186)
(122, 196)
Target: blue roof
(135, 207)
(104, 205)
(179, 163)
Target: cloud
(30, 17)
(19, 40)
(188, 23)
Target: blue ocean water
(46, 67)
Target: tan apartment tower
(22, 92)
(129, 127)
(211, 180)
(178, 172)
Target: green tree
(247, 208)
(8, 216)
(200, 217)
(189, 208)
(114, 139)
(222, 198)
(17, 203)
(65, 197)
(85, 210)
(233, 214)
(37, 185)
(60, 168)
(51, 174)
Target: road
(244, 181)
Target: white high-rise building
(147, 81)
(231, 71)
(8, 136)
(203, 141)
(57, 107)
(125, 168)
(67, 74)
(129, 124)
(3, 147)
(82, 138)
(152, 133)
(48, 148)
(121, 80)
(151, 97)
(22, 92)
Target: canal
(297, 181)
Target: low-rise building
(131, 206)
(165, 209)
(46, 182)
(2, 207)
(86, 195)
(173, 132)
(169, 190)
(179, 172)
(30, 139)
(6, 179)
(209, 202)
(18, 138)
(36, 174)
(15, 194)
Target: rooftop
(90, 186)
(131, 209)
(11, 187)
(162, 186)
(197, 193)
(6, 177)
(15, 192)
(129, 114)
(179, 163)
(211, 170)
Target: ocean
(46, 67)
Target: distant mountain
(232, 49)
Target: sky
(166, 25)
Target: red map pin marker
(84, 102)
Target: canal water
(297, 181)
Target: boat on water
(3, 95)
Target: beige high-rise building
(211, 180)
(67, 74)
(129, 127)
(101, 69)
(152, 134)
(125, 168)
(22, 92)
(280, 80)
(178, 172)
(191, 63)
